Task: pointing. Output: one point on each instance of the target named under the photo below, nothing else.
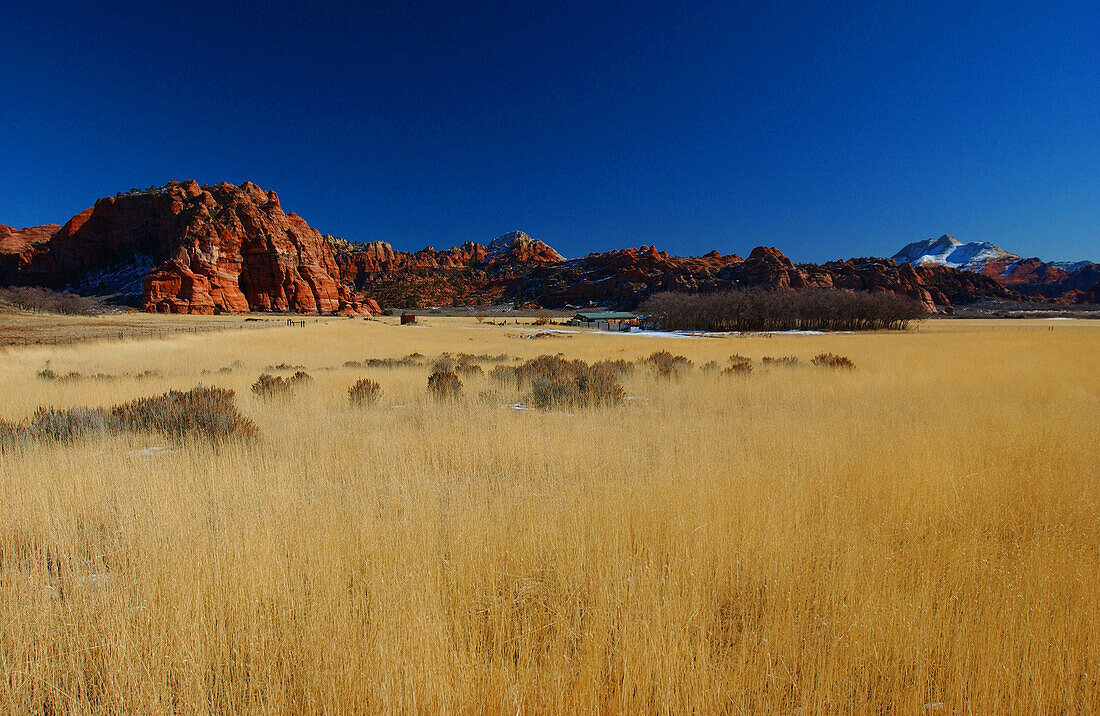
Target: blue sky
(828, 130)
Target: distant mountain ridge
(1070, 280)
(201, 249)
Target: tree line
(43, 300)
(817, 309)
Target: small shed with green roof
(607, 320)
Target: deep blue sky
(828, 129)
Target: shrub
(270, 386)
(444, 385)
(411, 359)
(48, 373)
(10, 436)
(281, 366)
(364, 392)
(830, 360)
(462, 363)
(780, 310)
(668, 365)
(504, 373)
(781, 360)
(207, 412)
(555, 381)
(619, 367)
(545, 366)
(709, 367)
(490, 358)
(583, 386)
(738, 365)
(52, 424)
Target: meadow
(917, 534)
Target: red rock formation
(470, 274)
(1021, 272)
(625, 277)
(239, 251)
(17, 246)
(220, 248)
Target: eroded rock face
(238, 251)
(213, 248)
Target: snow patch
(152, 451)
(127, 279)
(1071, 266)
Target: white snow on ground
(680, 334)
(152, 451)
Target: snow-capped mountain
(949, 251)
(1030, 276)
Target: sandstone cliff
(200, 249)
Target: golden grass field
(19, 328)
(918, 535)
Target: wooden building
(607, 320)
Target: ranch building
(607, 320)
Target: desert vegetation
(831, 360)
(274, 386)
(667, 365)
(783, 310)
(554, 382)
(444, 385)
(914, 535)
(44, 300)
(205, 412)
(364, 392)
(738, 364)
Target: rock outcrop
(210, 248)
(470, 274)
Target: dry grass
(917, 535)
(21, 329)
